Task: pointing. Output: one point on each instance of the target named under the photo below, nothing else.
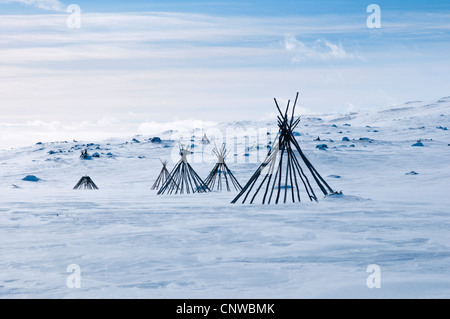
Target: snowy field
(131, 243)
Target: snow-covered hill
(131, 243)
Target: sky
(136, 67)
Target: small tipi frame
(221, 173)
(282, 172)
(162, 177)
(205, 139)
(183, 178)
(85, 183)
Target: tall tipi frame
(183, 178)
(285, 168)
(163, 175)
(221, 174)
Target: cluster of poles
(183, 178)
(279, 178)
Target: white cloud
(52, 5)
(319, 50)
(183, 127)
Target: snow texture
(131, 243)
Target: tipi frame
(85, 182)
(221, 172)
(162, 177)
(282, 170)
(183, 178)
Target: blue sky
(244, 7)
(135, 63)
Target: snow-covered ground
(131, 243)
